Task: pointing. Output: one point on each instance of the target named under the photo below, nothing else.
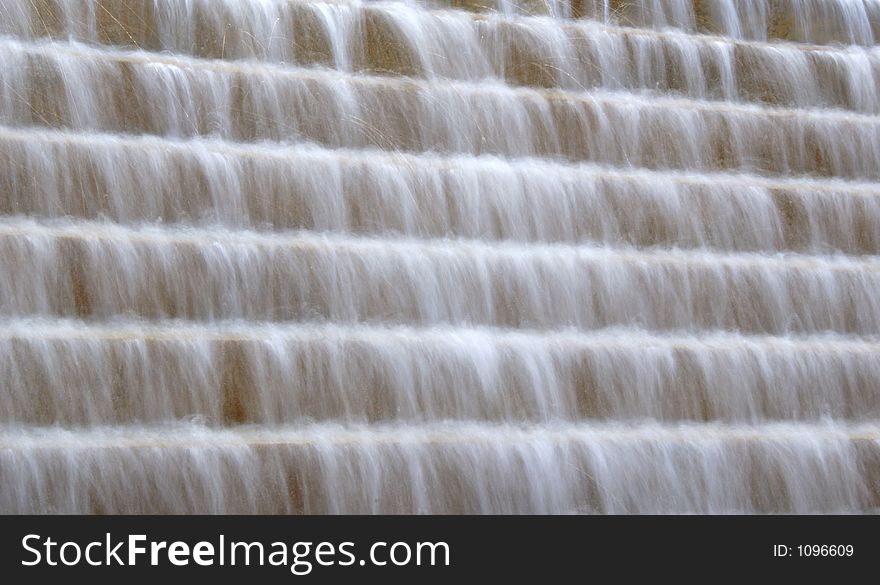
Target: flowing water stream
(449, 256)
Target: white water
(448, 256)
(82, 88)
(394, 37)
(445, 468)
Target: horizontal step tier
(100, 270)
(83, 88)
(58, 173)
(403, 39)
(81, 374)
(801, 21)
(448, 468)
(810, 21)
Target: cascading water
(451, 256)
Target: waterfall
(439, 256)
